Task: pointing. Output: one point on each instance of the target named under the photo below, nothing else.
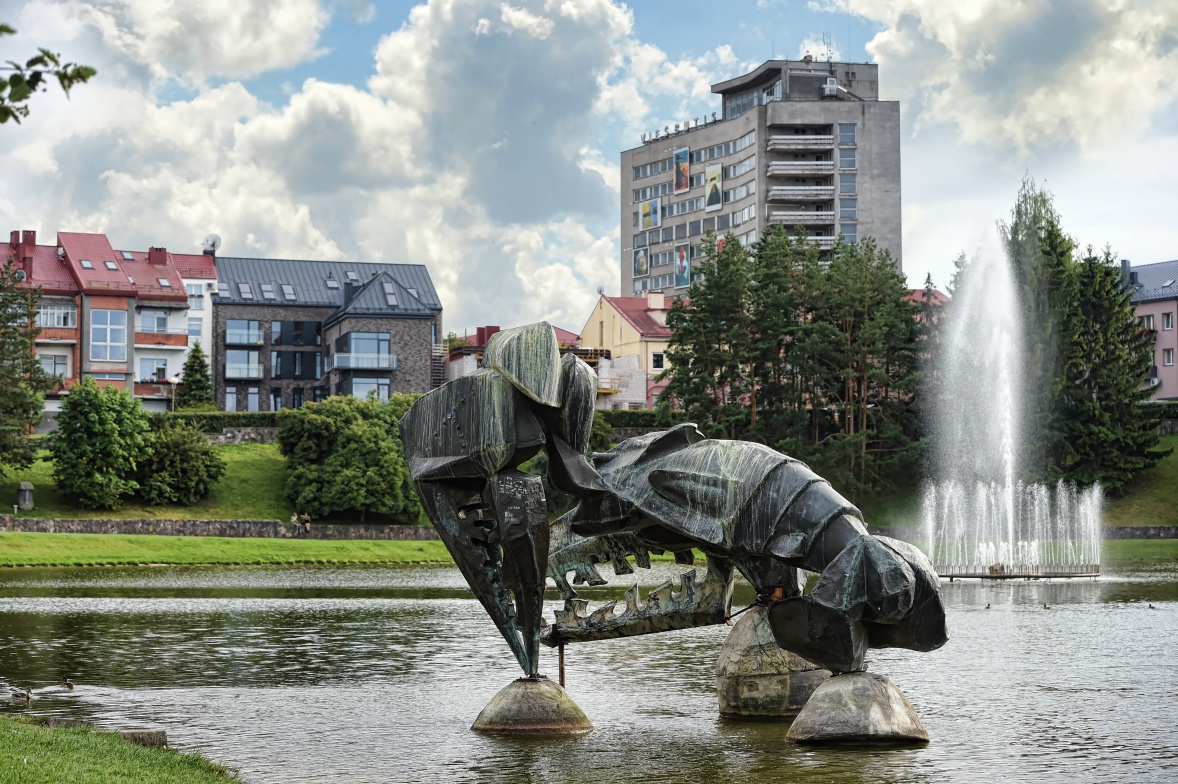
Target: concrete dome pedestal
(858, 708)
(532, 706)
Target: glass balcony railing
(243, 371)
(244, 337)
(362, 362)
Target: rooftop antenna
(827, 44)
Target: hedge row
(217, 421)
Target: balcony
(792, 218)
(243, 337)
(800, 168)
(146, 337)
(800, 193)
(154, 390)
(243, 371)
(608, 386)
(800, 143)
(361, 362)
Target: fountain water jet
(980, 518)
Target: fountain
(980, 519)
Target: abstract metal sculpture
(748, 508)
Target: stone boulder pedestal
(532, 706)
(755, 679)
(858, 708)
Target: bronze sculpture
(748, 508)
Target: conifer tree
(197, 387)
(22, 381)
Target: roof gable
(309, 280)
(636, 312)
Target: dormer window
(246, 291)
(352, 276)
(288, 291)
(267, 291)
(164, 283)
(86, 264)
(110, 265)
(390, 294)
(222, 289)
(413, 292)
(332, 283)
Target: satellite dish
(61, 254)
(211, 243)
(600, 290)
(20, 275)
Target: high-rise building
(803, 143)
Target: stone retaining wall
(244, 435)
(264, 529)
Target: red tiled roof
(195, 265)
(52, 275)
(916, 296)
(566, 338)
(635, 311)
(147, 279)
(95, 248)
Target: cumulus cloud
(1028, 75)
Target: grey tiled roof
(1150, 280)
(309, 279)
(371, 300)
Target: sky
(481, 138)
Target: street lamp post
(174, 380)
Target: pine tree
(22, 381)
(1110, 436)
(709, 345)
(197, 388)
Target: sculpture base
(755, 679)
(532, 706)
(858, 708)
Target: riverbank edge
(76, 749)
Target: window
(127, 255)
(332, 283)
(850, 232)
(153, 321)
(86, 264)
(57, 316)
(846, 133)
(222, 289)
(110, 265)
(352, 276)
(847, 158)
(367, 343)
(1167, 356)
(847, 183)
(109, 376)
(108, 335)
(54, 364)
(194, 326)
(164, 283)
(297, 397)
(1147, 321)
(267, 291)
(288, 291)
(231, 398)
(656, 361)
(1167, 321)
(847, 209)
(276, 400)
(362, 387)
(390, 294)
(151, 369)
(245, 290)
(252, 399)
(242, 363)
(242, 331)
(196, 296)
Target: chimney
(349, 291)
(27, 245)
(157, 256)
(14, 241)
(655, 300)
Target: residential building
(119, 317)
(466, 354)
(286, 332)
(634, 331)
(801, 143)
(1155, 299)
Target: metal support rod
(561, 666)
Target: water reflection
(368, 674)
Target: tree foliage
(101, 438)
(345, 456)
(197, 388)
(22, 381)
(22, 80)
(182, 466)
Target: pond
(374, 674)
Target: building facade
(634, 332)
(120, 317)
(1155, 299)
(805, 144)
(287, 332)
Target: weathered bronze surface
(748, 508)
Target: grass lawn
(1138, 552)
(31, 753)
(1152, 499)
(254, 488)
(23, 549)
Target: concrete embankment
(260, 529)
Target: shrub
(102, 435)
(217, 421)
(182, 468)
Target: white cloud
(523, 20)
(814, 46)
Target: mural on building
(682, 167)
(641, 263)
(682, 266)
(713, 187)
(651, 214)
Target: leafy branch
(17, 88)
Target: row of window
(695, 205)
(1167, 321)
(736, 105)
(696, 228)
(697, 156)
(249, 398)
